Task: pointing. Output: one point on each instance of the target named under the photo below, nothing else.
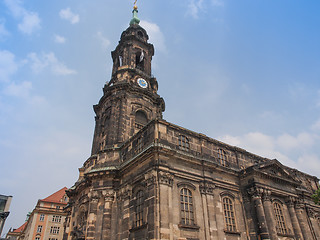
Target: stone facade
(150, 179)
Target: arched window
(141, 119)
(140, 60)
(229, 216)
(82, 219)
(139, 209)
(281, 224)
(186, 205)
(222, 156)
(184, 143)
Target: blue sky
(245, 72)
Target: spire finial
(135, 5)
(135, 20)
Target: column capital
(206, 187)
(108, 195)
(299, 204)
(94, 196)
(266, 195)
(166, 178)
(311, 212)
(255, 192)
(290, 201)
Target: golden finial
(135, 5)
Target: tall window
(140, 60)
(139, 144)
(186, 205)
(139, 208)
(141, 119)
(54, 230)
(37, 238)
(41, 217)
(222, 156)
(281, 224)
(39, 229)
(229, 217)
(184, 143)
(56, 218)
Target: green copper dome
(135, 20)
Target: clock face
(142, 83)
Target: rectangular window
(39, 229)
(54, 230)
(41, 217)
(56, 218)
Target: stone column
(268, 208)
(303, 221)
(314, 223)
(165, 184)
(294, 219)
(107, 214)
(206, 189)
(92, 217)
(256, 193)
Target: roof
(20, 229)
(56, 197)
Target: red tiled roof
(20, 229)
(56, 197)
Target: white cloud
(217, 3)
(288, 142)
(155, 35)
(3, 30)
(105, 42)
(318, 100)
(30, 21)
(309, 163)
(316, 125)
(289, 150)
(8, 65)
(194, 7)
(67, 14)
(18, 90)
(48, 60)
(59, 39)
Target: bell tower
(130, 99)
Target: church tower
(150, 179)
(130, 98)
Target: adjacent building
(15, 234)
(147, 178)
(5, 202)
(45, 221)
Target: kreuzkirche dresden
(148, 178)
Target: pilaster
(256, 194)
(303, 221)
(266, 198)
(294, 220)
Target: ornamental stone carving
(311, 213)
(125, 193)
(150, 180)
(266, 196)
(206, 188)
(108, 195)
(166, 178)
(255, 192)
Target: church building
(147, 178)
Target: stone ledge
(189, 227)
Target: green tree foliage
(316, 197)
